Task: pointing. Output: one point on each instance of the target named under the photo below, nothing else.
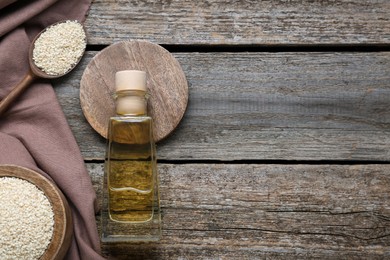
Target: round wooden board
(63, 227)
(166, 82)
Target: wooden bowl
(63, 227)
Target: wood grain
(268, 106)
(249, 210)
(258, 107)
(166, 83)
(215, 22)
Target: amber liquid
(130, 169)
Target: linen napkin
(34, 132)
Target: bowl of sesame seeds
(35, 218)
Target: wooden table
(284, 149)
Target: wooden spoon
(34, 73)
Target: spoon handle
(16, 91)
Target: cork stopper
(130, 80)
(134, 103)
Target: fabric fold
(34, 132)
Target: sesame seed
(26, 220)
(59, 47)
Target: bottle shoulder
(128, 118)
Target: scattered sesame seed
(59, 47)
(26, 220)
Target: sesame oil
(130, 170)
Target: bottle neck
(131, 102)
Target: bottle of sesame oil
(131, 210)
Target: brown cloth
(34, 132)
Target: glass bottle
(130, 210)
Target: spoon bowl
(36, 72)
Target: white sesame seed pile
(26, 220)
(59, 47)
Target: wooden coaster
(166, 82)
(63, 225)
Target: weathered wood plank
(283, 106)
(246, 211)
(240, 22)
